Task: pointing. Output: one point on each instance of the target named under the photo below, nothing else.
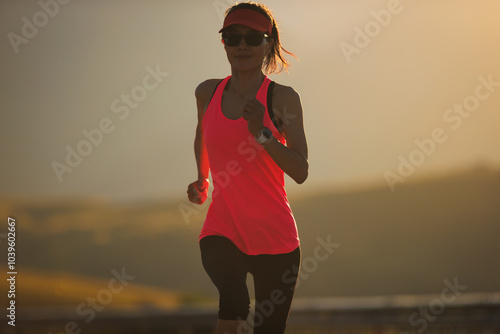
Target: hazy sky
(366, 96)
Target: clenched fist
(253, 113)
(198, 191)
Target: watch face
(267, 132)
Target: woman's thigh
(227, 267)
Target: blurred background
(401, 104)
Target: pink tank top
(249, 203)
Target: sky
(391, 90)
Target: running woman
(249, 133)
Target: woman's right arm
(198, 190)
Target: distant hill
(41, 288)
(406, 242)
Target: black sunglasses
(251, 39)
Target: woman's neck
(246, 84)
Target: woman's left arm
(292, 158)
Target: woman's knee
(234, 306)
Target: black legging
(274, 278)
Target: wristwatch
(264, 135)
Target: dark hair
(274, 62)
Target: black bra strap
(215, 91)
(270, 105)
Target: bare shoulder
(205, 89)
(286, 100)
(285, 95)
